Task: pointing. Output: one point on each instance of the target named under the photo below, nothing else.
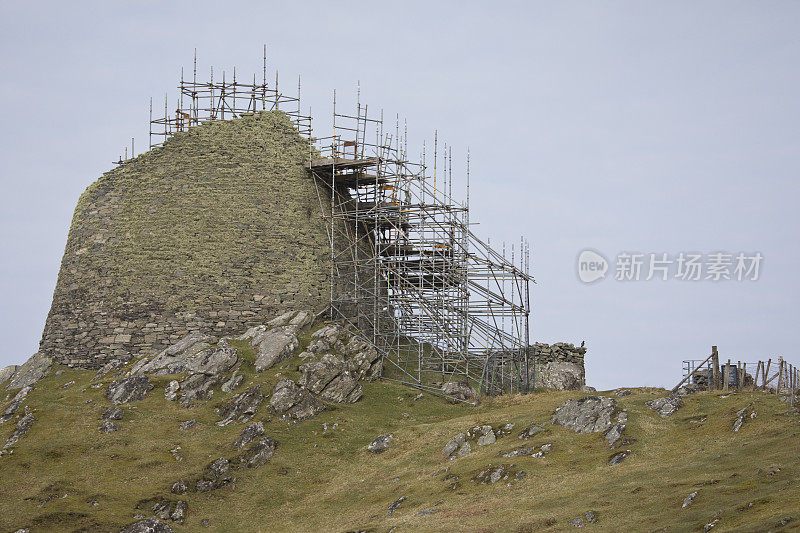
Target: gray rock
(689, 499)
(173, 359)
(576, 522)
(396, 505)
(427, 512)
(7, 372)
(520, 452)
(13, 407)
(587, 388)
(622, 417)
(622, 392)
(380, 444)
(560, 375)
(488, 436)
(114, 364)
(330, 333)
(241, 407)
(617, 458)
(179, 487)
(496, 474)
(318, 346)
(30, 372)
(586, 415)
(233, 383)
(317, 375)
(108, 427)
(258, 454)
(285, 395)
(302, 320)
(282, 320)
(162, 510)
(188, 424)
(460, 391)
(307, 407)
(274, 346)
(180, 512)
(171, 392)
(343, 389)
(249, 434)
(113, 413)
(212, 361)
(530, 431)
(217, 474)
(129, 389)
(197, 388)
(23, 426)
(465, 449)
(591, 516)
(614, 433)
(665, 406)
(149, 525)
(453, 444)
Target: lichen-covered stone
(130, 389)
(214, 232)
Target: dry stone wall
(216, 231)
(559, 366)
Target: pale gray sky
(618, 126)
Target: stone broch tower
(216, 231)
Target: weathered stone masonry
(216, 231)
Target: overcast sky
(638, 127)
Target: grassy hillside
(65, 475)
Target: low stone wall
(559, 366)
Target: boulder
(274, 346)
(614, 433)
(343, 389)
(380, 444)
(171, 391)
(291, 402)
(315, 376)
(241, 407)
(129, 389)
(282, 320)
(258, 454)
(187, 424)
(487, 436)
(330, 333)
(665, 406)
(530, 431)
(30, 372)
(114, 364)
(149, 525)
(285, 395)
(459, 390)
(249, 434)
(454, 444)
(586, 415)
(179, 487)
(617, 458)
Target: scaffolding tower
(440, 304)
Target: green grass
(327, 481)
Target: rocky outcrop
(6, 373)
(586, 415)
(666, 406)
(23, 426)
(249, 434)
(131, 389)
(30, 372)
(216, 475)
(16, 402)
(294, 403)
(258, 454)
(242, 407)
(460, 390)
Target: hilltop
(317, 473)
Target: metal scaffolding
(200, 102)
(440, 304)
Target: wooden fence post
(757, 373)
(714, 370)
(780, 374)
(766, 373)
